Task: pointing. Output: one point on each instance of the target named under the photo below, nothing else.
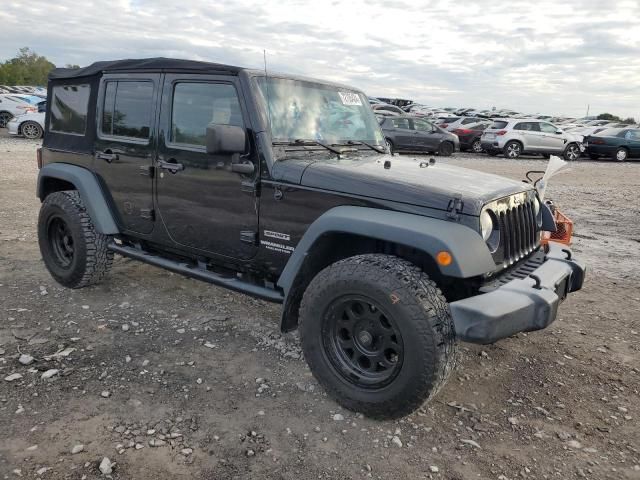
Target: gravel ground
(166, 377)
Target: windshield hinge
(454, 209)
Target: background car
(29, 125)
(12, 105)
(470, 136)
(513, 137)
(416, 134)
(385, 108)
(617, 144)
(461, 122)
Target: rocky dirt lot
(170, 378)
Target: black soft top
(158, 64)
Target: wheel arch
(343, 232)
(56, 177)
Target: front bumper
(520, 305)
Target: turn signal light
(444, 258)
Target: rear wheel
(446, 149)
(31, 130)
(4, 119)
(476, 146)
(73, 252)
(621, 155)
(572, 152)
(377, 334)
(512, 150)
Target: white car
(29, 125)
(14, 104)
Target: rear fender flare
(89, 189)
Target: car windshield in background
(609, 132)
(498, 124)
(300, 110)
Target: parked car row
(22, 110)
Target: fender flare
(89, 189)
(471, 257)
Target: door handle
(108, 156)
(171, 165)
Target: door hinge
(148, 213)
(250, 187)
(147, 170)
(248, 236)
(454, 209)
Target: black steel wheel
(75, 254)
(362, 341)
(377, 334)
(60, 241)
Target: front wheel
(572, 153)
(377, 334)
(75, 254)
(446, 149)
(476, 146)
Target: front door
(125, 144)
(551, 140)
(403, 133)
(203, 205)
(426, 137)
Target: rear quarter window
(498, 124)
(69, 104)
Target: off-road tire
(418, 309)
(512, 150)
(90, 259)
(446, 149)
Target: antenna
(266, 79)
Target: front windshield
(301, 110)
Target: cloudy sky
(549, 56)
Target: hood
(404, 181)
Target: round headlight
(486, 224)
(490, 229)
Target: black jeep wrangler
(282, 188)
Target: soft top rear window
(69, 104)
(498, 124)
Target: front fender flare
(470, 254)
(89, 189)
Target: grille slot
(518, 233)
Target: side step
(231, 283)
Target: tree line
(27, 68)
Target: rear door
(633, 142)
(125, 144)
(529, 134)
(403, 133)
(203, 205)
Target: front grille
(519, 228)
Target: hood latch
(454, 209)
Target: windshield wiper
(302, 141)
(372, 147)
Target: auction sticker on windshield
(349, 98)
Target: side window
(422, 126)
(127, 109)
(547, 128)
(69, 104)
(401, 123)
(196, 105)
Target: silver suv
(513, 137)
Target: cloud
(546, 56)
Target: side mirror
(225, 139)
(558, 132)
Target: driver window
(196, 105)
(547, 128)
